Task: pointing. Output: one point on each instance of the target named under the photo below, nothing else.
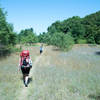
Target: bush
(64, 41)
(68, 42)
(97, 38)
(81, 41)
(13, 49)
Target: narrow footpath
(25, 90)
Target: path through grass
(56, 75)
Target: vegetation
(62, 34)
(11, 82)
(74, 75)
(56, 75)
(7, 36)
(73, 30)
(27, 36)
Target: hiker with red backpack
(25, 65)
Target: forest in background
(62, 34)
(73, 30)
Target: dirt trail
(25, 90)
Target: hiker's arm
(30, 62)
(19, 65)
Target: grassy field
(72, 75)
(10, 79)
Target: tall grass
(11, 82)
(73, 75)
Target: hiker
(25, 65)
(41, 48)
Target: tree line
(7, 35)
(73, 30)
(62, 34)
(9, 38)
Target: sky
(40, 14)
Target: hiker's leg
(26, 79)
(40, 51)
(27, 75)
(22, 70)
(23, 78)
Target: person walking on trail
(41, 48)
(25, 64)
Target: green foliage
(27, 36)
(13, 49)
(73, 30)
(44, 38)
(68, 42)
(81, 41)
(61, 33)
(55, 27)
(64, 41)
(92, 26)
(97, 37)
(57, 39)
(7, 36)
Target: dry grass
(73, 75)
(10, 79)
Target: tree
(7, 36)
(27, 36)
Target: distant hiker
(25, 65)
(41, 48)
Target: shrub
(81, 41)
(68, 42)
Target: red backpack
(24, 55)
